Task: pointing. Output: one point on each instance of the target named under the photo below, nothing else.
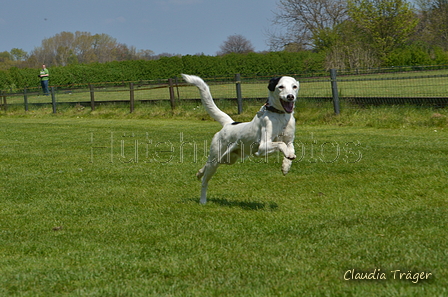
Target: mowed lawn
(109, 207)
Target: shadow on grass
(247, 205)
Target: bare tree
(303, 19)
(433, 26)
(82, 47)
(236, 44)
(145, 54)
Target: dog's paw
(285, 170)
(286, 165)
(291, 157)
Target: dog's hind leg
(206, 173)
(200, 173)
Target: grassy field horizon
(106, 203)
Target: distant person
(44, 75)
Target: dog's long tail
(207, 99)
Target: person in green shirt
(44, 74)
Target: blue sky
(163, 26)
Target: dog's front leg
(287, 162)
(267, 146)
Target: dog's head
(283, 93)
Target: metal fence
(384, 86)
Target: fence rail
(360, 89)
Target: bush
(168, 67)
(416, 54)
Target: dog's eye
(281, 87)
(294, 87)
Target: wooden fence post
(239, 96)
(334, 91)
(92, 97)
(171, 87)
(53, 99)
(25, 99)
(131, 96)
(5, 105)
(177, 90)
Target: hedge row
(259, 64)
(167, 67)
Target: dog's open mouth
(288, 106)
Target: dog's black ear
(272, 83)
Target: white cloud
(184, 2)
(119, 19)
(171, 3)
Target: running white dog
(271, 130)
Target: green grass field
(105, 203)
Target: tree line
(364, 33)
(67, 48)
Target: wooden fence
(420, 88)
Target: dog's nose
(290, 97)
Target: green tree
(19, 54)
(5, 57)
(6, 60)
(385, 24)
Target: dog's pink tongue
(287, 106)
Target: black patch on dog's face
(272, 83)
(236, 123)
